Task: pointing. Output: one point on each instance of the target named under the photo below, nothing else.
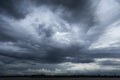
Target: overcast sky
(60, 37)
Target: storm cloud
(59, 37)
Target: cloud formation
(74, 36)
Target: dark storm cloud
(72, 35)
(78, 11)
(71, 54)
(59, 54)
(3, 35)
(8, 7)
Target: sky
(55, 37)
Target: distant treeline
(69, 76)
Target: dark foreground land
(80, 78)
(44, 77)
